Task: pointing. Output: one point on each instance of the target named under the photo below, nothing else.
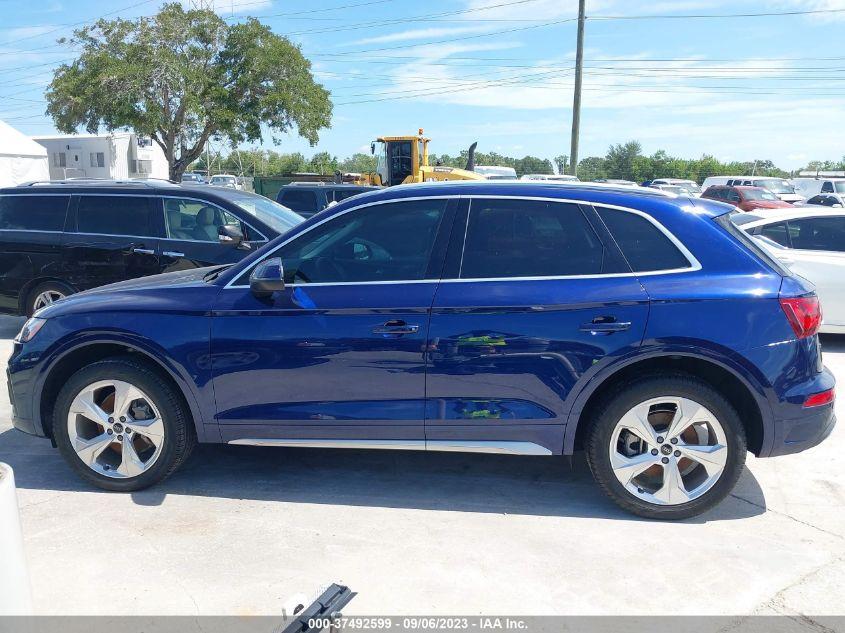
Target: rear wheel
(45, 294)
(666, 447)
(120, 426)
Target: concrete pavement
(239, 530)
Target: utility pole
(576, 98)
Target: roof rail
(99, 182)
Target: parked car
(194, 178)
(811, 243)
(551, 177)
(226, 180)
(809, 187)
(516, 318)
(745, 198)
(62, 237)
(688, 185)
(617, 181)
(836, 200)
(309, 198)
(783, 189)
(496, 172)
(677, 190)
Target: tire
(54, 290)
(611, 442)
(160, 442)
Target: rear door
(534, 296)
(30, 243)
(113, 237)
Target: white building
(21, 158)
(117, 156)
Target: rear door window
(117, 215)
(778, 232)
(644, 245)
(300, 200)
(818, 234)
(33, 213)
(529, 238)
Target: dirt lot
(240, 530)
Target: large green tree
(183, 77)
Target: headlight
(29, 330)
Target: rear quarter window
(645, 246)
(33, 213)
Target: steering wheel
(327, 268)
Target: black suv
(309, 198)
(62, 237)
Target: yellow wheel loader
(404, 159)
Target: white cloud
(25, 32)
(419, 34)
(818, 5)
(232, 7)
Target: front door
(340, 353)
(536, 300)
(112, 238)
(192, 235)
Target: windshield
(758, 194)
(274, 215)
(775, 185)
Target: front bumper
(20, 382)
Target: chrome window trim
(264, 239)
(695, 265)
(332, 217)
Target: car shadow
(832, 342)
(501, 484)
(10, 326)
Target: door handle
(396, 328)
(144, 251)
(173, 254)
(605, 325)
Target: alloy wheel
(668, 450)
(115, 429)
(46, 298)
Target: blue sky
(500, 72)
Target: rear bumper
(801, 428)
(794, 436)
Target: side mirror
(373, 148)
(231, 234)
(266, 278)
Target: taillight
(818, 399)
(803, 313)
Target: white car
(809, 187)
(496, 172)
(810, 241)
(551, 177)
(226, 180)
(689, 185)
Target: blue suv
(518, 318)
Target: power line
(88, 21)
(704, 16)
(455, 39)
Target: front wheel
(120, 426)
(666, 447)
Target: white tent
(21, 158)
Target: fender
(725, 358)
(204, 420)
